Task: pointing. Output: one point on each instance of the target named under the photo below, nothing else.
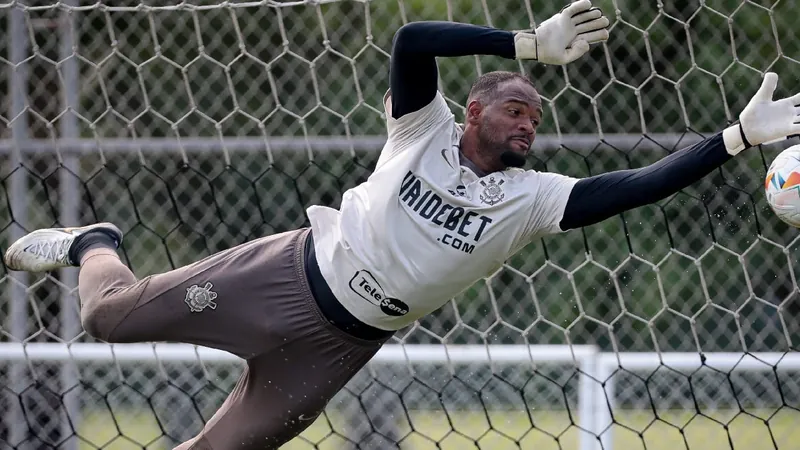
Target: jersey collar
(466, 162)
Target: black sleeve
(597, 198)
(416, 45)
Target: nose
(527, 127)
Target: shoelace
(54, 250)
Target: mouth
(523, 143)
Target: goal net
(196, 126)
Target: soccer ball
(782, 186)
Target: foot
(49, 248)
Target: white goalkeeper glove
(564, 37)
(764, 121)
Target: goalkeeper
(446, 205)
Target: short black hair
(486, 85)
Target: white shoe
(49, 248)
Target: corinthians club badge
(492, 192)
(199, 298)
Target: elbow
(405, 35)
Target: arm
(414, 75)
(763, 121)
(561, 39)
(597, 198)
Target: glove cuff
(747, 143)
(525, 46)
(734, 139)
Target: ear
(474, 110)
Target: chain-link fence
(196, 126)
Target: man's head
(503, 112)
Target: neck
(467, 162)
(474, 159)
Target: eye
(514, 111)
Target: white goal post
(596, 394)
(196, 125)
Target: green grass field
(471, 430)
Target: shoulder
(519, 174)
(536, 182)
(419, 126)
(514, 176)
(432, 126)
(436, 110)
(516, 172)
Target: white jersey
(422, 228)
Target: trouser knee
(102, 313)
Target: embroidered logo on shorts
(199, 298)
(492, 192)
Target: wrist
(734, 139)
(525, 46)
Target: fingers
(577, 7)
(593, 25)
(767, 86)
(586, 16)
(795, 99)
(594, 37)
(579, 48)
(590, 25)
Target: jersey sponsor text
(465, 225)
(366, 286)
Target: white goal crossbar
(595, 400)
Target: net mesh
(196, 126)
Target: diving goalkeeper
(446, 205)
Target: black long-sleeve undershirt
(414, 78)
(416, 45)
(597, 198)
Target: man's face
(508, 122)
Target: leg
(252, 300)
(281, 393)
(222, 301)
(107, 290)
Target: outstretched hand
(764, 120)
(564, 37)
